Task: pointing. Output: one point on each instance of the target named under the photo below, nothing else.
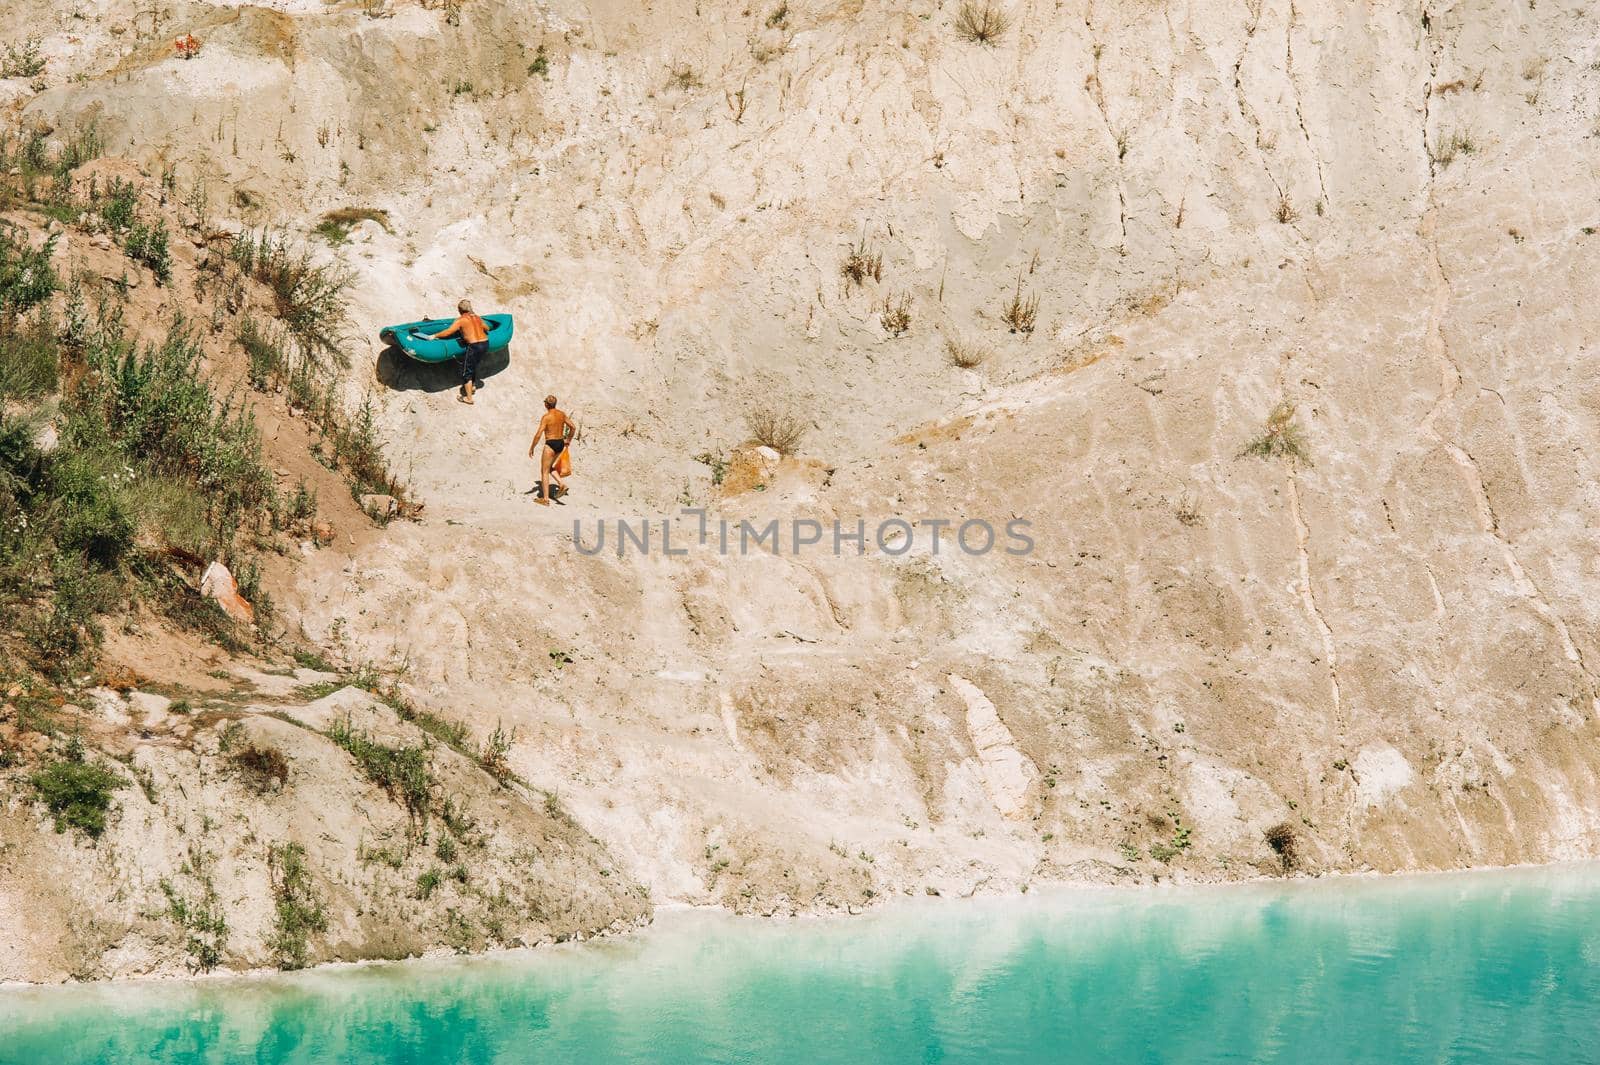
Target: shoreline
(671, 911)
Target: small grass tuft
(335, 226)
(1020, 312)
(1446, 148)
(493, 755)
(861, 263)
(1282, 437)
(895, 314)
(23, 60)
(1168, 850)
(965, 353)
(715, 463)
(683, 77)
(264, 769)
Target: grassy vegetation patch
(77, 792)
(403, 772)
(202, 919)
(122, 466)
(144, 458)
(310, 294)
(298, 909)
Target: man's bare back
(553, 426)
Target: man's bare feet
(542, 501)
(464, 399)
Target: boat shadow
(401, 373)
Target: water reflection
(1491, 967)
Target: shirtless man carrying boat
(555, 431)
(475, 344)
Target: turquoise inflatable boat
(410, 337)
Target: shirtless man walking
(555, 431)
(474, 345)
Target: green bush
(119, 205)
(22, 60)
(158, 410)
(27, 278)
(94, 520)
(356, 444)
(268, 360)
(77, 792)
(149, 244)
(175, 513)
(63, 635)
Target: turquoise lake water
(1487, 967)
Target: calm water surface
(1491, 967)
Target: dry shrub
(895, 314)
(862, 262)
(776, 427)
(683, 77)
(1286, 212)
(349, 216)
(1020, 312)
(1285, 843)
(965, 353)
(264, 769)
(983, 23)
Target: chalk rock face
(217, 583)
(1007, 772)
(1291, 321)
(1380, 771)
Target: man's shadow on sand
(401, 372)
